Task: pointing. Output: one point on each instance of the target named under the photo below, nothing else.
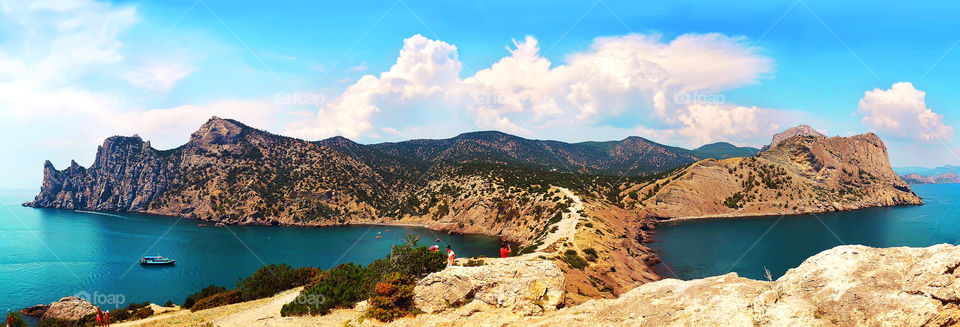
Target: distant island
(940, 175)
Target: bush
(590, 254)
(17, 320)
(267, 281)
(340, 287)
(410, 260)
(473, 263)
(143, 313)
(206, 292)
(133, 306)
(574, 260)
(119, 315)
(392, 299)
(217, 300)
(169, 304)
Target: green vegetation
(734, 201)
(205, 292)
(590, 254)
(392, 298)
(386, 278)
(574, 260)
(217, 300)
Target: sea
(47, 254)
(750, 247)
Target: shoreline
(761, 215)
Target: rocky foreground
(844, 286)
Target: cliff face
(800, 174)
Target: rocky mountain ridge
(945, 178)
(487, 182)
(801, 174)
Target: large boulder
(70, 308)
(522, 284)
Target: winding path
(567, 226)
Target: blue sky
(679, 72)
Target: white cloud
(158, 76)
(902, 111)
(634, 77)
(170, 127)
(362, 67)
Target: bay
(46, 254)
(708, 247)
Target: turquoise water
(702, 248)
(46, 254)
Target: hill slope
(801, 174)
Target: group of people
(103, 318)
(505, 251)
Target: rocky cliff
(799, 174)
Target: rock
(521, 284)
(35, 311)
(801, 130)
(844, 286)
(70, 308)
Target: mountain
(945, 178)
(803, 173)
(724, 150)
(630, 156)
(800, 130)
(235, 174)
(927, 171)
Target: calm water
(46, 254)
(702, 248)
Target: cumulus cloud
(902, 110)
(634, 77)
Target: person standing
(505, 249)
(450, 256)
(99, 317)
(106, 318)
(9, 319)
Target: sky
(685, 73)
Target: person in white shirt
(450, 256)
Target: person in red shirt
(505, 249)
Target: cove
(708, 247)
(46, 254)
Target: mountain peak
(800, 130)
(218, 131)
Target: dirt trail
(567, 226)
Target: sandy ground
(567, 226)
(263, 312)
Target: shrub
(410, 260)
(217, 300)
(133, 306)
(590, 254)
(392, 299)
(574, 260)
(206, 292)
(143, 313)
(473, 263)
(119, 315)
(169, 304)
(267, 281)
(340, 287)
